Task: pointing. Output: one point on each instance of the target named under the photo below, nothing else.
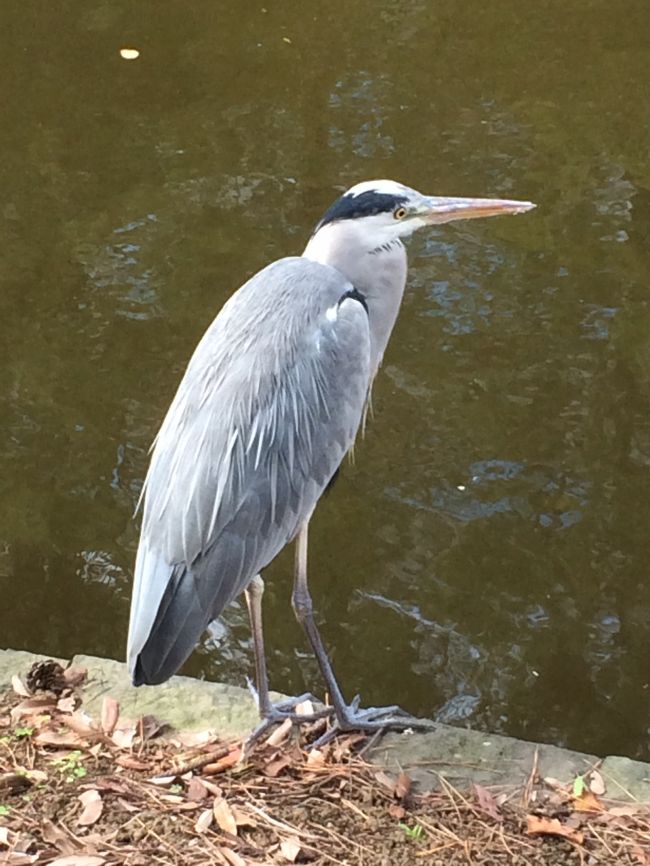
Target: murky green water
(487, 558)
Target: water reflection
(367, 98)
(484, 559)
(118, 269)
(536, 495)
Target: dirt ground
(76, 791)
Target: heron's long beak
(440, 209)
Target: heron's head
(379, 212)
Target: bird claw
(279, 712)
(372, 719)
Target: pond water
(486, 559)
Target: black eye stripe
(369, 203)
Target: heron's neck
(378, 272)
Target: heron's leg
(348, 717)
(270, 713)
(267, 709)
(304, 611)
(253, 594)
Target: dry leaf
(149, 727)
(223, 764)
(203, 821)
(290, 849)
(59, 739)
(224, 816)
(75, 675)
(552, 827)
(110, 715)
(188, 806)
(640, 855)
(175, 799)
(94, 838)
(78, 860)
(232, 857)
(56, 836)
(555, 784)
(574, 820)
(131, 763)
(596, 783)
(32, 707)
(396, 811)
(196, 790)
(587, 802)
(280, 734)
(19, 687)
(162, 781)
(191, 739)
(67, 704)
(487, 803)
(116, 786)
(81, 723)
(385, 781)
(5, 832)
(346, 745)
(92, 807)
(275, 767)
(402, 786)
(315, 759)
(128, 807)
(17, 858)
(123, 737)
(243, 819)
(213, 789)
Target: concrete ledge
(462, 756)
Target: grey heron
(268, 407)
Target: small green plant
(4, 811)
(413, 833)
(20, 733)
(71, 766)
(578, 786)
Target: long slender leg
(253, 594)
(270, 713)
(304, 611)
(348, 717)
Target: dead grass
(81, 792)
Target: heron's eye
(399, 213)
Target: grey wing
(269, 405)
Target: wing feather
(269, 405)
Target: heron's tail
(179, 623)
(168, 616)
(172, 605)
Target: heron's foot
(372, 719)
(274, 714)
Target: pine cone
(46, 676)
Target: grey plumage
(269, 405)
(246, 450)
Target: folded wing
(270, 403)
